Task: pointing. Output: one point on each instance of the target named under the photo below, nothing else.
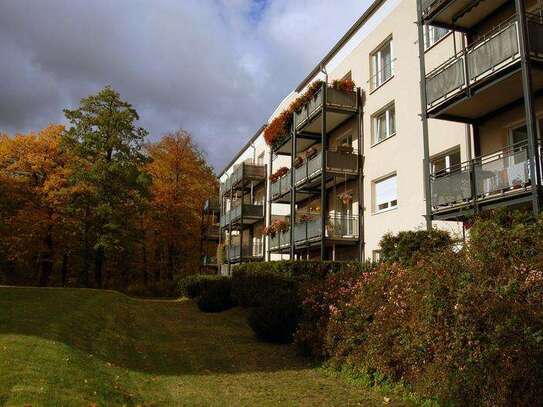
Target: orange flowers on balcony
(278, 174)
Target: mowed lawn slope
(84, 347)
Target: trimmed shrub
(407, 247)
(277, 320)
(194, 285)
(257, 288)
(216, 296)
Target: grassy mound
(83, 347)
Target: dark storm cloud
(216, 68)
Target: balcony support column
(324, 195)
(360, 178)
(424, 117)
(230, 229)
(292, 187)
(269, 198)
(531, 123)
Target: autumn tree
(108, 181)
(32, 175)
(182, 181)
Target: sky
(216, 68)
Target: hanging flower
(280, 226)
(269, 231)
(298, 161)
(346, 197)
(278, 174)
(305, 218)
(310, 152)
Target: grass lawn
(63, 347)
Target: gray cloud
(216, 68)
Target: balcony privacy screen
(491, 53)
(451, 188)
(447, 80)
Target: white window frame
(392, 204)
(447, 155)
(388, 121)
(378, 78)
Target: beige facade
(381, 55)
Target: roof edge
(367, 14)
(242, 150)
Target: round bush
(193, 286)
(277, 320)
(217, 296)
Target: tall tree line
(96, 205)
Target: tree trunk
(64, 269)
(171, 261)
(98, 266)
(46, 259)
(83, 275)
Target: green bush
(194, 285)
(407, 247)
(216, 296)
(277, 320)
(464, 326)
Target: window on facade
(433, 34)
(384, 124)
(376, 255)
(381, 65)
(448, 162)
(386, 194)
(260, 159)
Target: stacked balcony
(484, 182)
(243, 176)
(338, 228)
(251, 215)
(280, 189)
(280, 242)
(486, 76)
(246, 253)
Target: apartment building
(493, 84)
(210, 236)
(358, 163)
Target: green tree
(108, 184)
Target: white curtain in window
(386, 191)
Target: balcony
(466, 86)
(244, 174)
(498, 179)
(251, 214)
(210, 232)
(340, 105)
(280, 242)
(339, 227)
(460, 14)
(338, 163)
(209, 261)
(280, 189)
(211, 206)
(254, 252)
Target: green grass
(64, 347)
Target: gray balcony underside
(463, 14)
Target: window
(433, 34)
(448, 162)
(346, 140)
(381, 65)
(384, 124)
(376, 256)
(386, 194)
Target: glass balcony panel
(300, 173)
(300, 232)
(314, 165)
(502, 173)
(446, 80)
(494, 51)
(339, 98)
(276, 188)
(342, 162)
(314, 229)
(451, 188)
(342, 226)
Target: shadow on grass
(152, 336)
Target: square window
(384, 124)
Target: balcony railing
(209, 261)
(255, 251)
(249, 211)
(307, 231)
(493, 52)
(243, 171)
(280, 240)
(342, 227)
(335, 98)
(211, 231)
(281, 186)
(336, 161)
(483, 178)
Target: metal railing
(247, 171)
(336, 98)
(307, 231)
(491, 52)
(280, 240)
(336, 161)
(234, 252)
(234, 214)
(281, 186)
(485, 177)
(342, 226)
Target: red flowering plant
(345, 85)
(298, 161)
(304, 218)
(310, 152)
(269, 231)
(346, 197)
(278, 174)
(280, 226)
